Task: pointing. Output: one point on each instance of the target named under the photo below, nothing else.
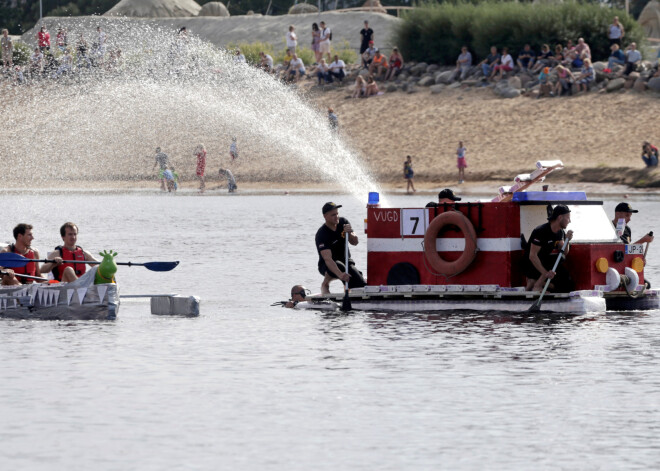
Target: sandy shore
(597, 136)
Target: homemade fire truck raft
(469, 256)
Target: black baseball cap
(330, 206)
(624, 208)
(447, 193)
(559, 210)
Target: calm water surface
(249, 386)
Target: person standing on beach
(162, 161)
(334, 121)
(324, 40)
(200, 152)
(7, 50)
(291, 40)
(461, 162)
(367, 36)
(233, 149)
(408, 174)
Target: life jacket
(29, 269)
(382, 60)
(66, 254)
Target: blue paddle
(14, 260)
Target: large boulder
(426, 81)
(391, 88)
(418, 69)
(599, 66)
(615, 84)
(510, 93)
(639, 85)
(214, 9)
(444, 77)
(155, 8)
(437, 88)
(650, 19)
(432, 68)
(302, 8)
(374, 6)
(654, 84)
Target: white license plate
(635, 249)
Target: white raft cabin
(470, 256)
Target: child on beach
(460, 161)
(200, 152)
(231, 181)
(408, 174)
(233, 149)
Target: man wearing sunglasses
(298, 294)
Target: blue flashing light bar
(550, 196)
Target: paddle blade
(12, 260)
(161, 266)
(346, 303)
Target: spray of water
(172, 91)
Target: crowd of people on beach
(556, 69)
(63, 58)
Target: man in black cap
(445, 196)
(624, 211)
(538, 253)
(331, 246)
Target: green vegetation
(435, 32)
(251, 52)
(21, 54)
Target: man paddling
(68, 272)
(331, 246)
(624, 211)
(23, 246)
(538, 253)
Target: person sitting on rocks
(372, 86)
(463, 64)
(378, 65)
(504, 64)
(574, 60)
(545, 88)
(558, 57)
(337, 69)
(587, 76)
(296, 68)
(396, 64)
(544, 59)
(583, 49)
(36, 62)
(565, 81)
(322, 72)
(526, 58)
(569, 48)
(489, 62)
(633, 58)
(360, 87)
(282, 69)
(266, 63)
(650, 154)
(368, 55)
(616, 56)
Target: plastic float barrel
(440, 265)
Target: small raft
(78, 300)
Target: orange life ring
(439, 264)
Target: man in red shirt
(23, 246)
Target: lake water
(250, 386)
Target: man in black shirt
(538, 253)
(331, 246)
(367, 35)
(624, 211)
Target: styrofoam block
(404, 289)
(175, 305)
(372, 289)
(387, 289)
(357, 290)
(471, 288)
(489, 288)
(515, 289)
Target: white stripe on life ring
(457, 244)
